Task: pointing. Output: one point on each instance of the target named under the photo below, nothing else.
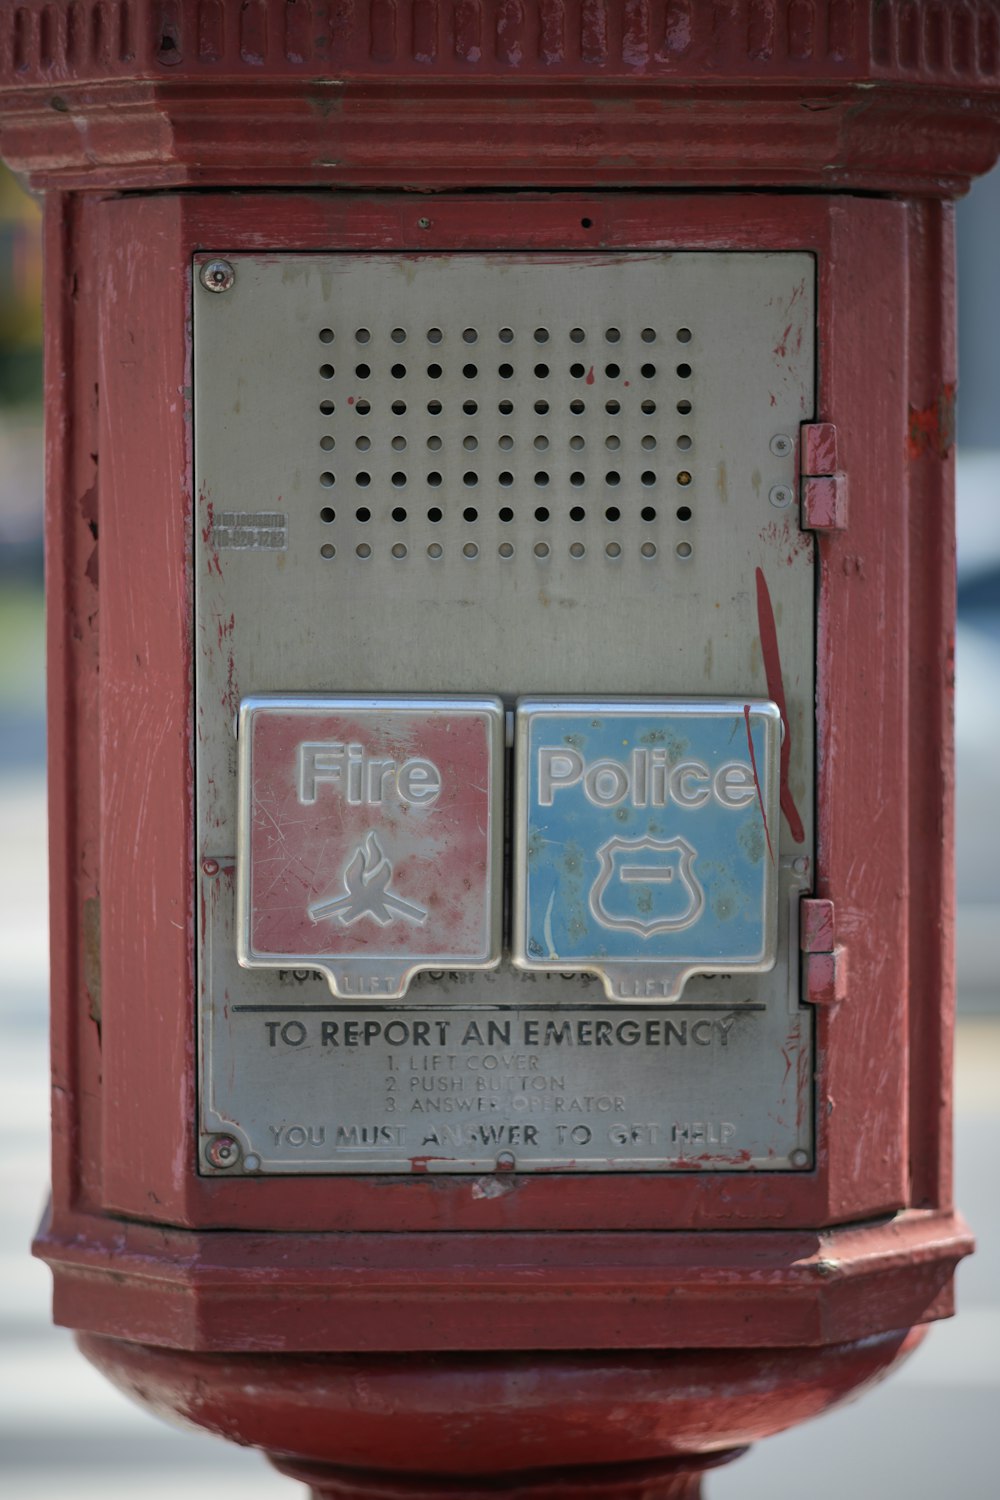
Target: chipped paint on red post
(932, 427)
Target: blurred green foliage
(20, 294)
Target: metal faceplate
(551, 478)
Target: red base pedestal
(679, 1479)
(384, 1427)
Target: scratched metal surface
(513, 475)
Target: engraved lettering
(364, 782)
(647, 779)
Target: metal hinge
(824, 961)
(823, 485)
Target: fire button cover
(370, 837)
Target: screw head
(781, 445)
(222, 1151)
(210, 867)
(800, 865)
(780, 496)
(217, 276)
(799, 1158)
(506, 1161)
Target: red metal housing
(554, 101)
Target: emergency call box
(505, 730)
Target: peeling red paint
(776, 690)
(420, 1164)
(780, 349)
(590, 376)
(932, 427)
(756, 779)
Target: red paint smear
(350, 400)
(419, 1163)
(756, 779)
(781, 347)
(932, 428)
(776, 691)
(590, 376)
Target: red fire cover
(369, 836)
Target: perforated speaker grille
(495, 440)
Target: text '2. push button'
(371, 837)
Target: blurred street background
(926, 1432)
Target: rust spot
(932, 428)
(92, 956)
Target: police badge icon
(646, 840)
(635, 875)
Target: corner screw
(780, 496)
(217, 276)
(222, 1151)
(781, 445)
(799, 1158)
(506, 1161)
(210, 867)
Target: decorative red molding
(884, 95)
(42, 41)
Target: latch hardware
(824, 961)
(823, 484)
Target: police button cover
(370, 837)
(646, 845)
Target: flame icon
(367, 878)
